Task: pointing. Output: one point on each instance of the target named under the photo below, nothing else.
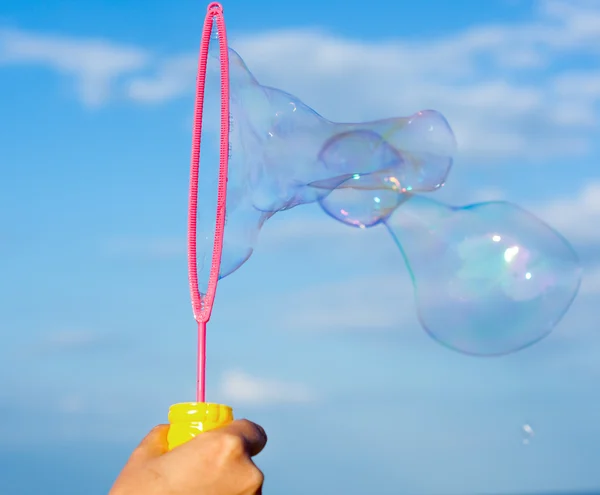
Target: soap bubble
(284, 154)
(489, 278)
(363, 206)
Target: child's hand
(217, 462)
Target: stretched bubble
(489, 278)
(284, 154)
(241, 234)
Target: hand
(217, 462)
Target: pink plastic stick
(202, 306)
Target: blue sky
(315, 337)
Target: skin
(218, 462)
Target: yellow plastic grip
(189, 419)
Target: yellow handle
(189, 419)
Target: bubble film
(284, 154)
(489, 278)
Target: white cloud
(503, 87)
(95, 65)
(500, 106)
(370, 303)
(282, 229)
(74, 341)
(148, 247)
(175, 76)
(590, 285)
(71, 339)
(243, 389)
(486, 194)
(576, 217)
(72, 404)
(492, 81)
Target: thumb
(154, 445)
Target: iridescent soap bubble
(284, 154)
(489, 278)
(374, 198)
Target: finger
(154, 445)
(253, 436)
(257, 479)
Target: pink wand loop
(202, 305)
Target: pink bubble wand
(188, 419)
(202, 305)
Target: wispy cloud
(590, 285)
(75, 341)
(173, 77)
(509, 90)
(94, 65)
(243, 389)
(71, 404)
(146, 247)
(576, 216)
(371, 303)
(498, 84)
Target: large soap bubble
(283, 154)
(489, 278)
